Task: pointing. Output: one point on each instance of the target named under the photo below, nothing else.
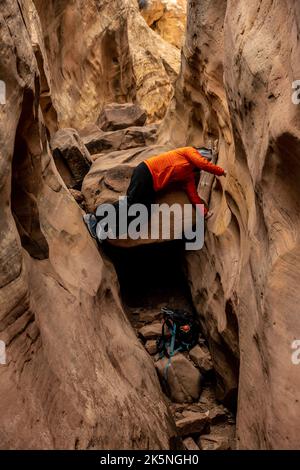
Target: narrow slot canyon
(89, 89)
(152, 277)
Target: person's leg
(140, 189)
(104, 229)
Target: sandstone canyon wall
(167, 18)
(101, 51)
(76, 375)
(239, 62)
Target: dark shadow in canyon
(153, 274)
(26, 180)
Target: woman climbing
(178, 166)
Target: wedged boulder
(116, 116)
(108, 179)
(71, 157)
(153, 231)
(110, 174)
(201, 358)
(192, 424)
(183, 382)
(123, 139)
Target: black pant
(140, 191)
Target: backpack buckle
(185, 328)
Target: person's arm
(191, 191)
(193, 156)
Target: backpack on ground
(180, 332)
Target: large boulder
(123, 139)
(108, 179)
(110, 174)
(154, 231)
(116, 116)
(181, 380)
(71, 157)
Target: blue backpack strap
(172, 351)
(163, 340)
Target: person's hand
(225, 173)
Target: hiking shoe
(101, 233)
(91, 223)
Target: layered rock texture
(76, 375)
(167, 18)
(101, 51)
(240, 60)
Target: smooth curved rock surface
(100, 52)
(239, 62)
(76, 376)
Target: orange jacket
(177, 166)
